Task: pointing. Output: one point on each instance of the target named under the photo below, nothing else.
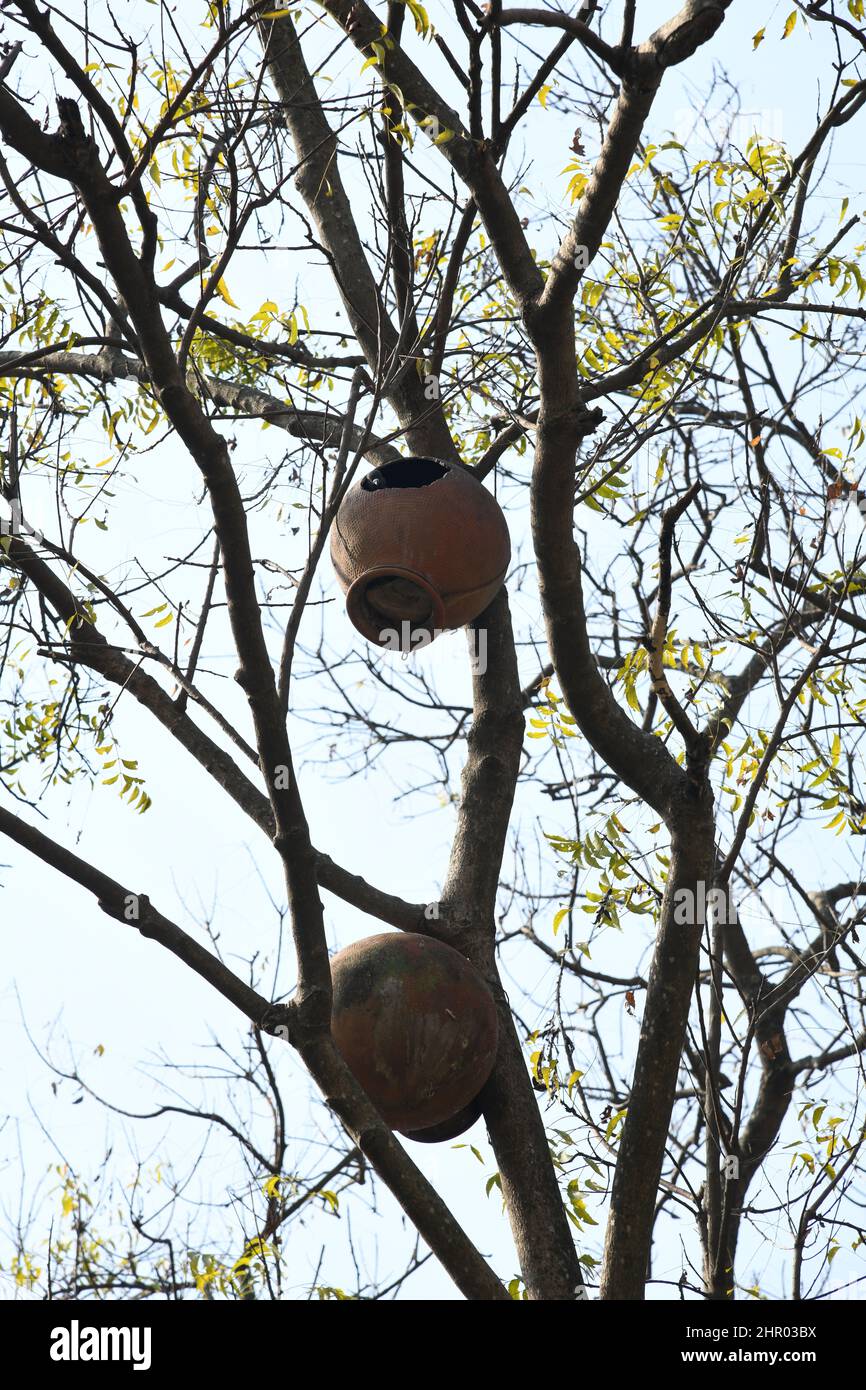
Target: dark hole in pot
(410, 472)
(392, 599)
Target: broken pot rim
(447, 466)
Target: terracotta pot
(416, 1024)
(418, 546)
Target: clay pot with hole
(418, 546)
(416, 1024)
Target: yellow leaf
(420, 16)
(789, 24)
(544, 93)
(222, 291)
(758, 38)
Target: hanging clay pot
(418, 546)
(416, 1025)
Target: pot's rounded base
(448, 1129)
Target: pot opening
(408, 472)
(395, 608)
(393, 599)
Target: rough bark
(542, 1235)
